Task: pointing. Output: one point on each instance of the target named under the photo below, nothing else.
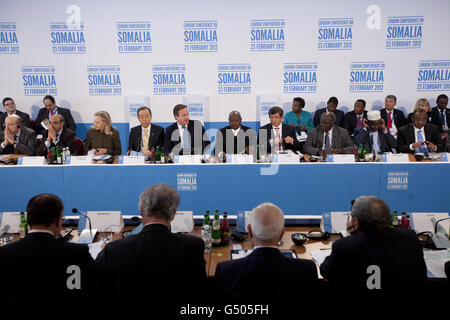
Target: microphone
(440, 239)
(85, 235)
(4, 230)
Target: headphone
(316, 235)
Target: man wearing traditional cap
(374, 134)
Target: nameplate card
(239, 158)
(334, 222)
(131, 160)
(341, 158)
(190, 159)
(243, 219)
(106, 221)
(182, 222)
(445, 156)
(31, 161)
(286, 158)
(425, 221)
(11, 219)
(395, 157)
(76, 160)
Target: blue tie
(186, 144)
(443, 118)
(420, 138)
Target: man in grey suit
(328, 138)
(17, 139)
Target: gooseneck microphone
(85, 238)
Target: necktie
(186, 144)
(443, 117)
(359, 123)
(145, 140)
(277, 138)
(375, 144)
(327, 141)
(389, 120)
(15, 139)
(57, 137)
(53, 112)
(420, 138)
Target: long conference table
(298, 189)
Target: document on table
(435, 260)
(95, 248)
(320, 255)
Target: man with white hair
(155, 264)
(265, 274)
(374, 134)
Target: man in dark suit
(57, 135)
(328, 138)
(374, 134)
(17, 139)
(394, 118)
(331, 107)
(234, 138)
(354, 119)
(10, 107)
(50, 110)
(419, 136)
(156, 264)
(375, 257)
(440, 115)
(42, 268)
(185, 136)
(265, 274)
(147, 136)
(278, 135)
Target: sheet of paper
(435, 260)
(95, 248)
(320, 255)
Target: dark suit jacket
(397, 252)
(387, 140)
(340, 140)
(287, 131)
(156, 138)
(436, 116)
(399, 117)
(406, 136)
(338, 113)
(409, 119)
(35, 268)
(198, 143)
(65, 140)
(237, 145)
(43, 114)
(24, 116)
(26, 145)
(155, 264)
(350, 121)
(265, 275)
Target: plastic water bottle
(206, 236)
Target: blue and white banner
(335, 34)
(9, 41)
(169, 79)
(104, 80)
(134, 37)
(366, 76)
(404, 32)
(39, 80)
(197, 106)
(433, 75)
(67, 38)
(200, 36)
(300, 77)
(263, 104)
(133, 104)
(234, 78)
(267, 35)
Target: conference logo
(9, 43)
(335, 34)
(200, 36)
(433, 75)
(404, 32)
(67, 38)
(397, 180)
(134, 37)
(104, 80)
(234, 78)
(39, 80)
(169, 79)
(267, 35)
(186, 181)
(366, 76)
(300, 77)
(196, 109)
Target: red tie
(277, 137)
(359, 122)
(389, 120)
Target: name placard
(445, 156)
(131, 160)
(243, 219)
(286, 158)
(239, 158)
(334, 222)
(182, 222)
(341, 158)
(395, 157)
(76, 160)
(106, 221)
(189, 159)
(31, 161)
(11, 219)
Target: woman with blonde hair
(423, 104)
(103, 138)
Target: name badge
(341, 158)
(395, 157)
(131, 160)
(76, 160)
(190, 159)
(106, 221)
(31, 161)
(11, 219)
(239, 158)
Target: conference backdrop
(219, 56)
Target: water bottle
(206, 236)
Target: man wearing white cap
(374, 134)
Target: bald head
(13, 123)
(57, 122)
(267, 224)
(234, 119)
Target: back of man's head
(267, 223)
(372, 213)
(160, 202)
(44, 210)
